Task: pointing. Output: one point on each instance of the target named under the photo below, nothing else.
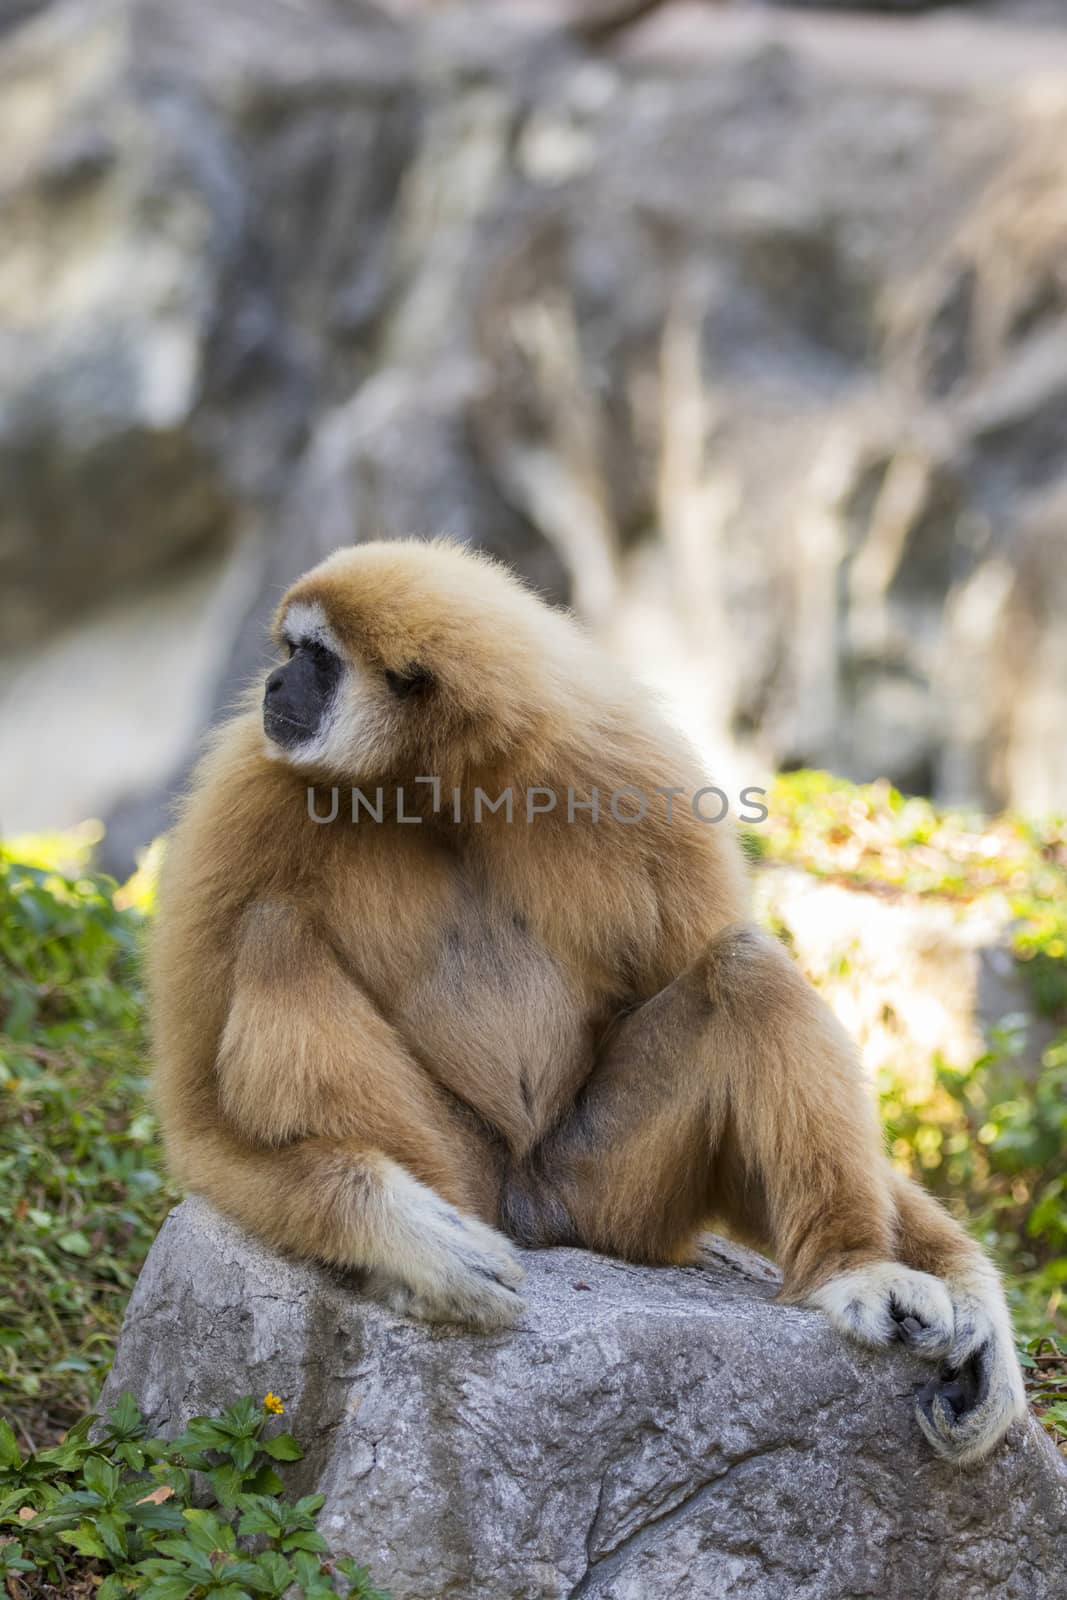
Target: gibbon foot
(454, 1269)
(968, 1407)
(962, 1324)
(885, 1303)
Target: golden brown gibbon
(396, 1043)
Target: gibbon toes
(455, 1269)
(966, 1410)
(885, 1303)
(482, 1304)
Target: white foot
(885, 1303)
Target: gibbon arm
(305, 1052)
(334, 1143)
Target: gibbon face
(393, 659)
(324, 708)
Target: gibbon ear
(412, 679)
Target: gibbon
(402, 1039)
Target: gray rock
(643, 1433)
(150, 392)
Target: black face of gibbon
(299, 693)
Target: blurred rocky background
(741, 328)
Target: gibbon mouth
(297, 694)
(284, 730)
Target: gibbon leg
(325, 1137)
(735, 1095)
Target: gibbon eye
(411, 680)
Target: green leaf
(283, 1447)
(243, 1571)
(243, 1453)
(261, 1515)
(10, 1455)
(64, 1457)
(84, 1541)
(160, 1519)
(79, 1433)
(305, 1540)
(13, 1560)
(204, 1434)
(125, 1418)
(11, 1501)
(75, 1243)
(169, 1589)
(114, 1587)
(207, 1532)
(74, 1501)
(227, 1482)
(306, 1567)
(244, 1418)
(112, 1530)
(184, 1552)
(101, 1476)
(275, 1569)
(359, 1578)
(265, 1482)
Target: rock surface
(644, 1433)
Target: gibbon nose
(276, 681)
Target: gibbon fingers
(394, 1044)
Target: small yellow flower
(272, 1404)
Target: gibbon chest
(501, 1020)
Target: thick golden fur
(388, 1044)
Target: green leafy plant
(1045, 1364)
(81, 1190)
(992, 1140)
(113, 1512)
(870, 836)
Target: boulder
(644, 1432)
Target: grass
(81, 1185)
